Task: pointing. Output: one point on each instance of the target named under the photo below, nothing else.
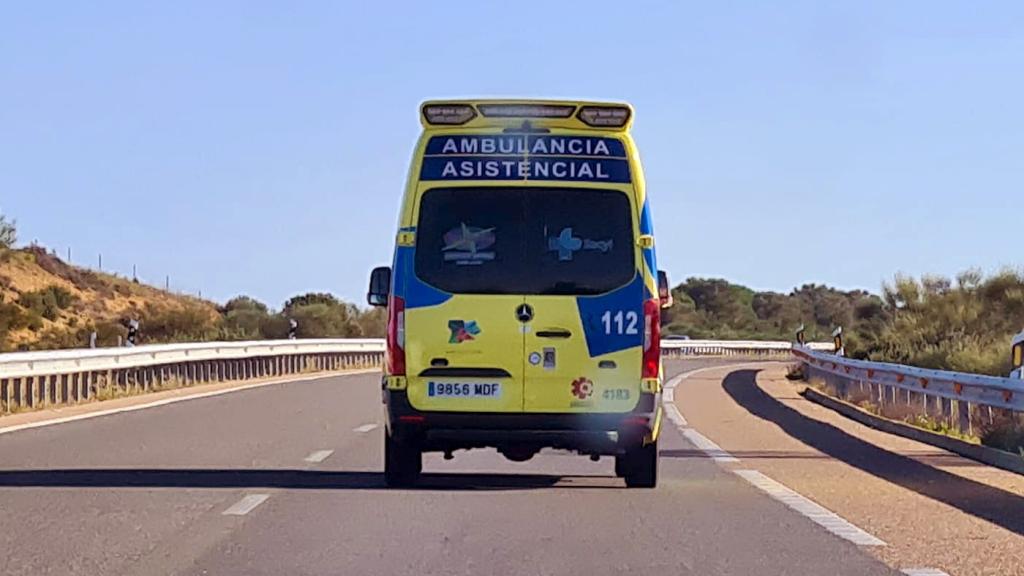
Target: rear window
(525, 240)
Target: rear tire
(621, 465)
(402, 462)
(640, 466)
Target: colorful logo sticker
(582, 388)
(462, 331)
(566, 244)
(468, 245)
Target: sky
(261, 148)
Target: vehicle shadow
(990, 503)
(279, 478)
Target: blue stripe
(626, 301)
(417, 293)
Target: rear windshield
(525, 240)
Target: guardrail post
(30, 396)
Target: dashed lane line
(246, 505)
(923, 572)
(319, 456)
(364, 428)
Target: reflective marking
(923, 572)
(319, 456)
(816, 513)
(707, 446)
(246, 505)
(364, 428)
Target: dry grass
(99, 300)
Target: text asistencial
(530, 157)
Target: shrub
(12, 317)
(1005, 431)
(188, 323)
(322, 320)
(47, 302)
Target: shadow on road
(993, 504)
(280, 478)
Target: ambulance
(523, 299)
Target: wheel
(621, 465)
(402, 462)
(640, 466)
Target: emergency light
(526, 110)
(597, 116)
(451, 114)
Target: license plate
(464, 389)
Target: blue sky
(261, 148)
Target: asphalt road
(147, 492)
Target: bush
(189, 323)
(323, 320)
(47, 302)
(12, 317)
(1005, 432)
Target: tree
(311, 298)
(243, 302)
(8, 232)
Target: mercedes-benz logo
(524, 313)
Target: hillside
(47, 303)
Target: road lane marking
(815, 512)
(173, 400)
(707, 446)
(319, 456)
(672, 412)
(364, 428)
(675, 415)
(246, 505)
(923, 572)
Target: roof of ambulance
(482, 120)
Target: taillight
(652, 339)
(395, 351)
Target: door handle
(558, 333)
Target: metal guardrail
(754, 348)
(47, 378)
(905, 390)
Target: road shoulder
(932, 507)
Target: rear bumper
(600, 433)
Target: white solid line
(319, 456)
(173, 400)
(246, 505)
(364, 428)
(813, 511)
(674, 415)
(923, 572)
(707, 446)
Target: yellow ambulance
(523, 299)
